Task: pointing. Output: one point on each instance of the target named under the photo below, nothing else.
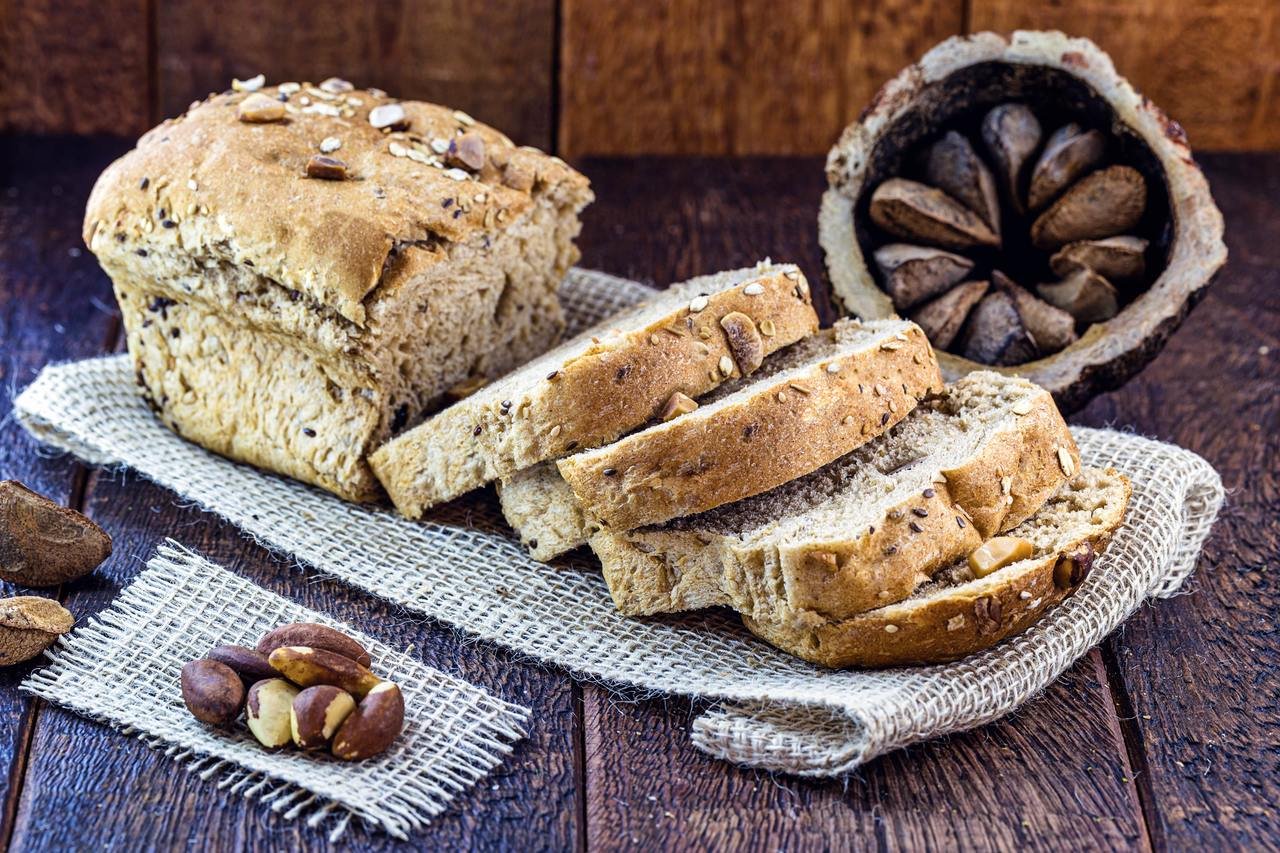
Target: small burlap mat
(464, 567)
(123, 668)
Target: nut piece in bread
(287, 319)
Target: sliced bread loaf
(867, 529)
(608, 380)
(956, 613)
(809, 404)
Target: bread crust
(240, 190)
(594, 393)
(947, 625)
(654, 570)
(785, 428)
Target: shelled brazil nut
(304, 684)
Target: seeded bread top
(243, 178)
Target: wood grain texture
(491, 58)
(755, 77)
(1052, 777)
(1055, 776)
(74, 66)
(1199, 670)
(54, 305)
(1213, 65)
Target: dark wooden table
(1166, 737)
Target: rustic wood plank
(80, 768)
(1056, 775)
(54, 304)
(74, 66)
(1053, 777)
(490, 58)
(683, 77)
(1199, 670)
(1214, 65)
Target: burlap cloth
(123, 668)
(464, 567)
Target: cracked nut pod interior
(1021, 202)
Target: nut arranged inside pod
(1024, 204)
(991, 196)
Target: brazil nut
(307, 667)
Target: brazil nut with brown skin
(314, 636)
(307, 667)
(373, 726)
(212, 691)
(250, 665)
(1071, 569)
(316, 714)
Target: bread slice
(603, 383)
(808, 405)
(956, 614)
(867, 529)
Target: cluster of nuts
(42, 544)
(305, 684)
(1053, 211)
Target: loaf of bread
(867, 529)
(807, 405)
(304, 270)
(609, 380)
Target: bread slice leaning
(957, 614)
(809, 404)
(867, 529)
(610, 379)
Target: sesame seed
(1022, 407)
(884, 419)
(960, 522)
(891, 629)
(609, 472)
(192, 185)
(554, 431)
(307, 431)
(457, 174)
(928, 493)
(1024, 595)
(698, 303)
(144, 183)
(726, 365)
(833, 367)
(918, 512)
(753, 289)
(782, 397)
(915, 527)
(553, 374)
(477, 430)
(330, 144)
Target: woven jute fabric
(463, 566)
(123, 668)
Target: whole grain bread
(296, 322)
(610, 379)
(957, 614)
(809, 404)
(867, 529)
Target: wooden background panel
(755, 77)
(74, 66)
(492, 58)
(1214, 65)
